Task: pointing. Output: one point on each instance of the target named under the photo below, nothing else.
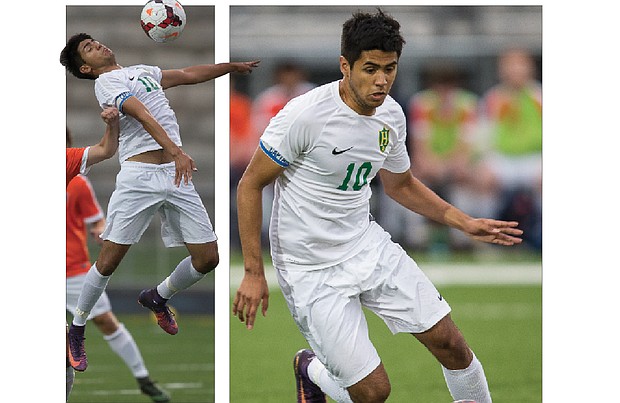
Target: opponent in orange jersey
(84, 216)
(80, 159)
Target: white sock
(183, 276)
(468, 383)
(70, 378)
(123, 344)
(323, 379)
(94, 285)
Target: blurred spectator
(442, 125)
(243, 140)
(442, 121)
(290, 81)
(512, 111)
(243, 137)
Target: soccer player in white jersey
(331, 259)
(155, 176)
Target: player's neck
(109, 68)
(349, 98)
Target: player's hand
(184, 167)
(245, 67)
(96, 230)
(110, 115)
(494, 231)
(251, 293)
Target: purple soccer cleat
(165, 318)
(77, 354)
(307, 391)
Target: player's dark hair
(70, 57)
(365, 31)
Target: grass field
(502, 323)
(183, 364)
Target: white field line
(185, 386)
(446, 274)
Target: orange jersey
(74, 162)
(82, 209)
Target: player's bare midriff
(152, 157)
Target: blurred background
(469, 81)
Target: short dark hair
(70, 57)
(365, 31)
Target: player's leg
(202, 259)
(94, 285)
(409, 302)
(184, 221)
(205, 257)
(123, 344)
(374, 388)
(328, 312)
(463, 372)
(401, 294)
(447, 344)
(96, 280)
(314, 382)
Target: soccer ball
(163, 20)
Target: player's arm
(108, 145)
(204, 72)
(253, 290)
(184, 164)
(408, 191)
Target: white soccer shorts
(327, 304)
(144, 189)
(74, 287)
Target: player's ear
(85, 69)
(345, 68)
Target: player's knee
(107, 323)
(457, 354)
(375, 388)
(110, 256)
(213, 261)
(380, 393)
(377, 393)
(106, 267)
(207, 262)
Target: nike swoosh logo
(336, 151)
(131, 78)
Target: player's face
(95, 55)
(369, 80)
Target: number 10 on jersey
(361, 176)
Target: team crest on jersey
(384, 138)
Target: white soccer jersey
(331, 153)
(143, 82)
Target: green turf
(183, 364)
(503, 324)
